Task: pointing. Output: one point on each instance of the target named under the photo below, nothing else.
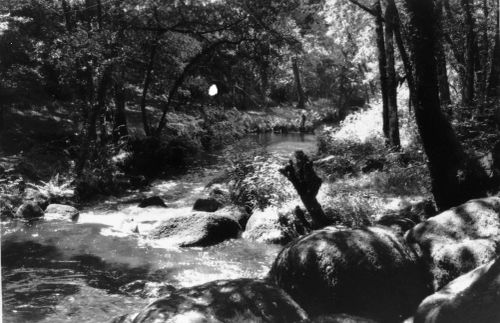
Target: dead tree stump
(307, 183)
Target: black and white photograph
(267, 161)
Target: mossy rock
(369, 272)
(460, 239)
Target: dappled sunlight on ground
(366, 125)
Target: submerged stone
(61, 212)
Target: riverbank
(40, 148)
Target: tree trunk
(403, 53)
(455, 177)
(494, 78)
(102, 90)
(99, 14)
(145, 88)
(392, 94)
(470, 52)
(90, 134)
(382, 61)
(120, 129)
(307, 183)
(298, 84)
(458, 54)
(2, 118)
(444, 86)
(67, 15)
(264, 81)
(483, 62)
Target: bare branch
(365, 8)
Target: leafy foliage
(257, 183)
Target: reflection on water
(82, 272)
(52, 263)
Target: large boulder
(29, 211)
(458, 240)
(236, 213)
(33, 195)
(152, 201)
(61, 212)
(207, 204)
(473, 297)
(369, 272)
(196, 229)
(217, 198)
(240, 300)
(272, 225)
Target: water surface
(96, 269)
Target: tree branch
(365, 8)
(185, 72)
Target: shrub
(56, 189)
(351, 209)
(257, 183)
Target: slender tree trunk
(145, 87)
(90, 134)
(99, 13)
(264, 81)
(494, 78)
(2, 118)
(67, 15)
(102, 90)
(483, 63)
(120, 129)
(403, 53)
(455, 177)
(458, 53)
(298, 84)
(382, 61)
(444, 86)
(392, 94)
(470, 52)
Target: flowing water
(96, 269)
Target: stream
(96, 269)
